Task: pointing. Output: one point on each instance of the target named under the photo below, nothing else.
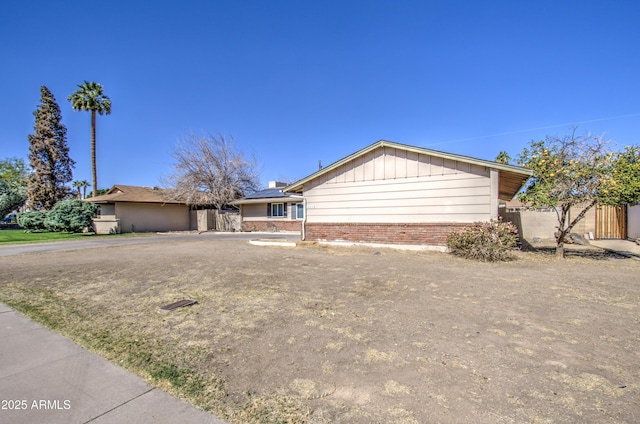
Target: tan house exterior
(400, 194)
(271, 210)
(125, 209)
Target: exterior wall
(106, 222)
(254, 212)
(254, 218)
(142, 217)
(532, 224)
(107, 209)
(633, 222)
(202, 220)
(541, 224)
(106, 225)
(587, 224)
(272, 225)
(430, 234)
(228, 221)
(389, 185)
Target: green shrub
(72, 216)
(33, 220)
(484, 241)
(10, 198)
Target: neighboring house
(125, 209)
(399, 194)
(271, 210)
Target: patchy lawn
(352, 335)
(22, 236)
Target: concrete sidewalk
(624, 247)
(46, 378)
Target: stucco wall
(633, 222)
(107, 209)
(542, 224)
(391, 185)
(254, 212)
(106, 225)
(142, 217)
(585, 225)
(532, 224)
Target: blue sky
(296, 82)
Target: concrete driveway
(101, 242)
(625, 247)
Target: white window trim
(274, 209)
(295, 207)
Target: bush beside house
(484, 241)
(72, 216)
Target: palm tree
(84, 184)
(76, 185)
(81, 184)
(90, 96)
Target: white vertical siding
(395, 185)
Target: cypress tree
(48, 155)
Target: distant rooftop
(125, 193)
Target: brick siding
(272, 225)
(433, 234)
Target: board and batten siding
(389, 185)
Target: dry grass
(326, 334)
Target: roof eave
(284, 199)
(510, 183)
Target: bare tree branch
(210, 170)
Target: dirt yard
(356, 335)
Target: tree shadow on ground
(573, 251)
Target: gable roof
(126, 193)
(511, 177)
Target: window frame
(296, 209)
(275, 213)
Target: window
(297, 211)
(277, 210)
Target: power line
(535, 129)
